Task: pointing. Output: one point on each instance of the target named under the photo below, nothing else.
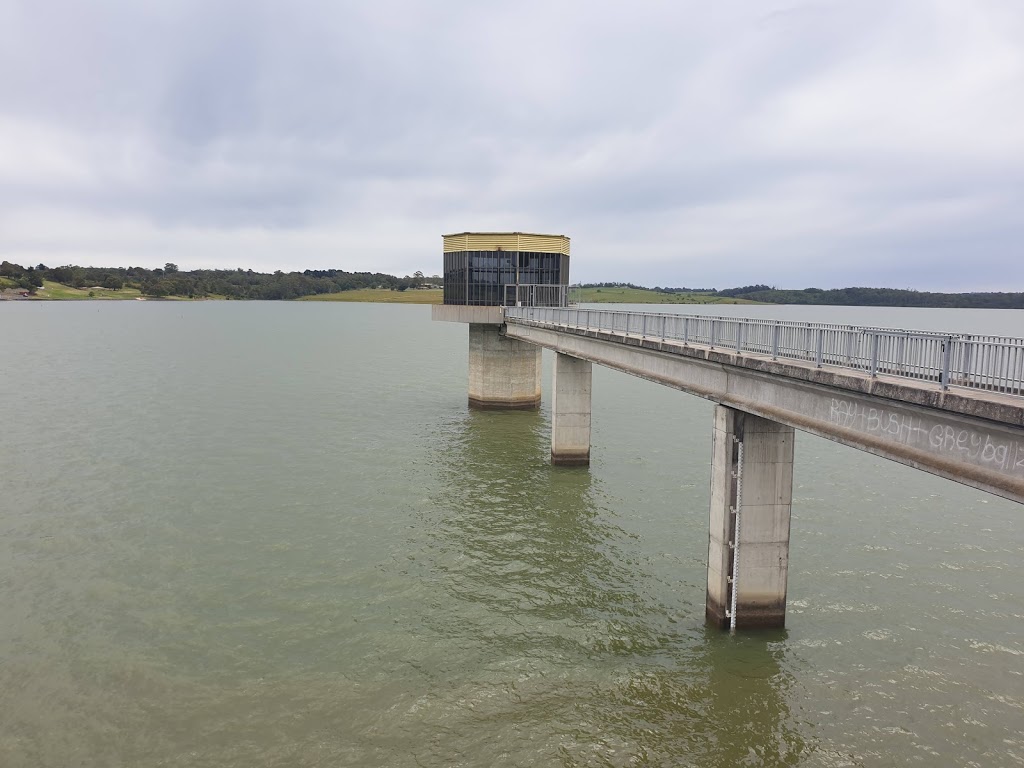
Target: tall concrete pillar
(570, 411)
(751, 496)
(503, 372)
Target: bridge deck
(997, 406)
(965, 361)
(969, 435)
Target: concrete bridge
(952, 405)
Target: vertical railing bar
(986, 379)
(947, 352)
(968, 373)
(997, 368)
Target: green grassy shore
(59, 292)
(52, 291)
(382, 296)
(583, 295)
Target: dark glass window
(484, 277)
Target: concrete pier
(751, 496)
(503, 372)
(570, 411)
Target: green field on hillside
(623, 295)
(59, 291)
(583, 295)
(645, 296)
(383, 296)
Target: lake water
(272, 534)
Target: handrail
(990, 363)
(535, 295)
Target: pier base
(752, 472)
(503, 372)
(570, 411)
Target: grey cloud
(734, 143)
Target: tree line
(856, 297)
(247, 284)
(877, 297)
(200, 283)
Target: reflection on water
(720, 702)
(550, 592)
(522, 539)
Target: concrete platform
(460, 313)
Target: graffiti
(977, 447)
(959, 442)
(904, 428)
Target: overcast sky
(861, 142)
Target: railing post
(740, 325)
(714, 329)
(947, 352)
(874, 354)
(966, 377)
(775, 340)
(821, 344)
(686, 331)
(643, 327)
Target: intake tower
(483, 272)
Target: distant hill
(170, 282)
(763, 294)
(72, 282)
(877, 297)
(634, 294)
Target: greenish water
(272, 534)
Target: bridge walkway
(948, 404)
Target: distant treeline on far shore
(246, 284)
(856, 297)
(203, 283)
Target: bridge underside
(954, 435)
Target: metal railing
(536, 295)
(991, 363)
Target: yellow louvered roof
(506, 241)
